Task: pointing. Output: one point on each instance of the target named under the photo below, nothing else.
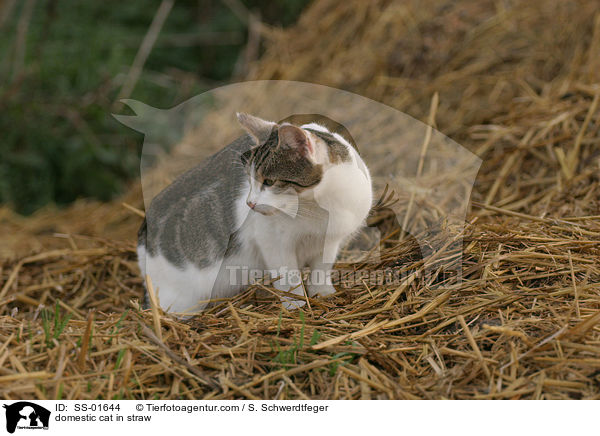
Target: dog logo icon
(26, 415)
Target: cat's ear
(259, 129)
(295, 138)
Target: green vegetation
(58, 140)
(288, 356)
(53, 325)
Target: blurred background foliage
(63, 64)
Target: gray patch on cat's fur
(191, 220)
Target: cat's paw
(320, 290)
(289, 304)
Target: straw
(516, 83)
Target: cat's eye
(290, 182)
(268, 182)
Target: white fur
(277, 240)
(180, 290)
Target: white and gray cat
(279, 199)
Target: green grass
(120, 356)
(117, 327)
(315, 337)
(288, 356)
(53, 324)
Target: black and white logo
(26, 415)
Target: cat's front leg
(283, 268)
(320, 282)
(320, 279)
(290, 280)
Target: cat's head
(287, 162)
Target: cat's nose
(251, 205)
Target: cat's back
(191, 220)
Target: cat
(280, 198)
